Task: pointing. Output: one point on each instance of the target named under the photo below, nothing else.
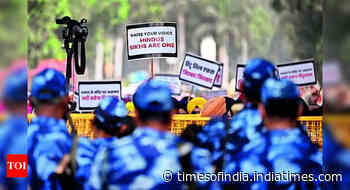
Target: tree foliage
(259, 22)
(12, 31)
(302, 20)
(44, 33)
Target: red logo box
(16, 165)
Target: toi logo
(16, 165)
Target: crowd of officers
(133, 153)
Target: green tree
(302, 21)
(12, 31)
(44, 33)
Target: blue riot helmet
(279, 89)
(153, 102)
(255, 73)
(48, 86)
(280, 98)
(153, 96)
(110, 115)
(15, 87)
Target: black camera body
(74, 33)
(75, 30)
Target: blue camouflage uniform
(13, 131)
(48, 138)
(140, 161)
(247, 124)
(277, 151)
(336, 159)
(212, 137)
(109, 114)
(86, 153)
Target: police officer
(283, 149)
(247, 124)
(49, 142)
(213, 137)
(111, 121)
(13, 130)
(149, 159)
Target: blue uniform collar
(49, 124)
(104, 140)
(148, 131)
(282, 136)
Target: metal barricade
(179, 122)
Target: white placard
(92, 92)
(301, 73)
(173, 81)
(151, 40)
(239, 76)
(199, 71)
(219, 76)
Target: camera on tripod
(75, 30)
(74, 33)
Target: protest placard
(239, 77)
(199, 71)
(301, 72)
(92, 92)
(151, 40)
(219, 76)
(172, 80)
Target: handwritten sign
(92, 92)
(151, 40)
(199, 71)
(239, 77)
(301, 73)
(218, 80)
(172, 80)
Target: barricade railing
(83, 123)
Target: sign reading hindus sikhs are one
(151, 40)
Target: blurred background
(13, 40)
(336, 73)
(229, 31)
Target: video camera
(74, 33)
(75, 30)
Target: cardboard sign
(239, 76)
(301, 73)
(92, 92)
(199, 71)
(219, 76)
(172, 80)
(151, 40)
